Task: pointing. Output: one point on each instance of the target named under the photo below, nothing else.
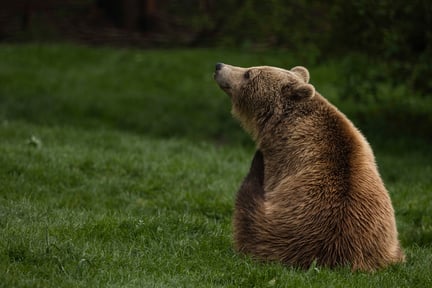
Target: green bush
(397, 32)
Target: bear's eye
(247, 74)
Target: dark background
(396, 32)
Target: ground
(89, 197)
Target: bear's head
(261, 93)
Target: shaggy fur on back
(313, 192)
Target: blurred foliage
(252, 23)
(395, 33)
(394, 37)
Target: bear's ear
(299, 92)
(305, 91)
(301, 72)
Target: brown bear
(313, 193)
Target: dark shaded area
(378, 43)
(395, 32)
(389, 28)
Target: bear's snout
(220, 76)
(218, 66)
(229, 77)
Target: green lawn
(118, 168)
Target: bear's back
(324, 196)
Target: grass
(118, 168)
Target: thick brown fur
(313, 192)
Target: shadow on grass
(158, 117)
(161, 116)
(396, 128)
(164, 94)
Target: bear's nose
(218, 66)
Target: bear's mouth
(221, 81)
(222, 84)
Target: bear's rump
(315, 222)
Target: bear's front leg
(249, 197)
(255, 177)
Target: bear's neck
(298, 140)
(279, 149)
